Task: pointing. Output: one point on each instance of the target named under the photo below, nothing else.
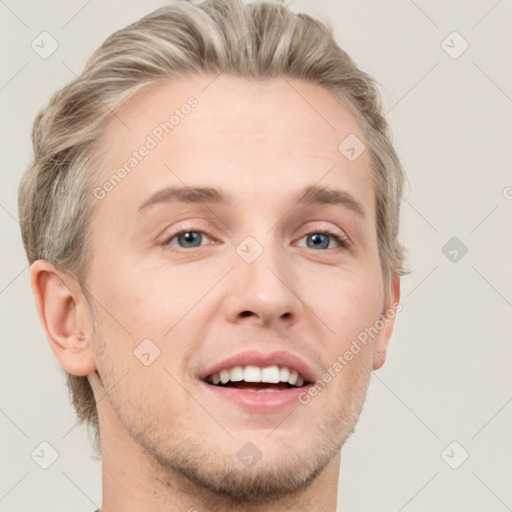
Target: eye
(321, 240)
(192, 238)
(186, 239)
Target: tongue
(256, 385)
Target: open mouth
(256, 379)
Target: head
(256, 102)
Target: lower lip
(264, 401)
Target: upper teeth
(271, 374)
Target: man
(211, 219)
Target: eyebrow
(311, 195)
(186, 195)
(326, 195)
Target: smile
(256, 379)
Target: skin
(167, 445)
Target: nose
(262, 291)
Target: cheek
(351, 300)
(157, 312)
(350, 307)
(140, 303)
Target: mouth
(258, 382)
(257, 390)
(257, 379)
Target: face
(247, 272)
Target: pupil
(190, 236)
(315, 238)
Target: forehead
(234, 132)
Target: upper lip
(262, 359)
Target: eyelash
(343, 243)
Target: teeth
(224, 376)
(284, 374)
(270, 374)
(236, 374)
(252, 374)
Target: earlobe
(387, 321)
(59, 301)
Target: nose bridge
(263, 282)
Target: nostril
(246, 313)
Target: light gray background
(447, 377)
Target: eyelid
(184, 227)
(344, 242)
(319, 226)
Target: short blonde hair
(259, 40)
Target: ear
(391, 308)
(64, 315)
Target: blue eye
(189, 239)
(321, 240)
